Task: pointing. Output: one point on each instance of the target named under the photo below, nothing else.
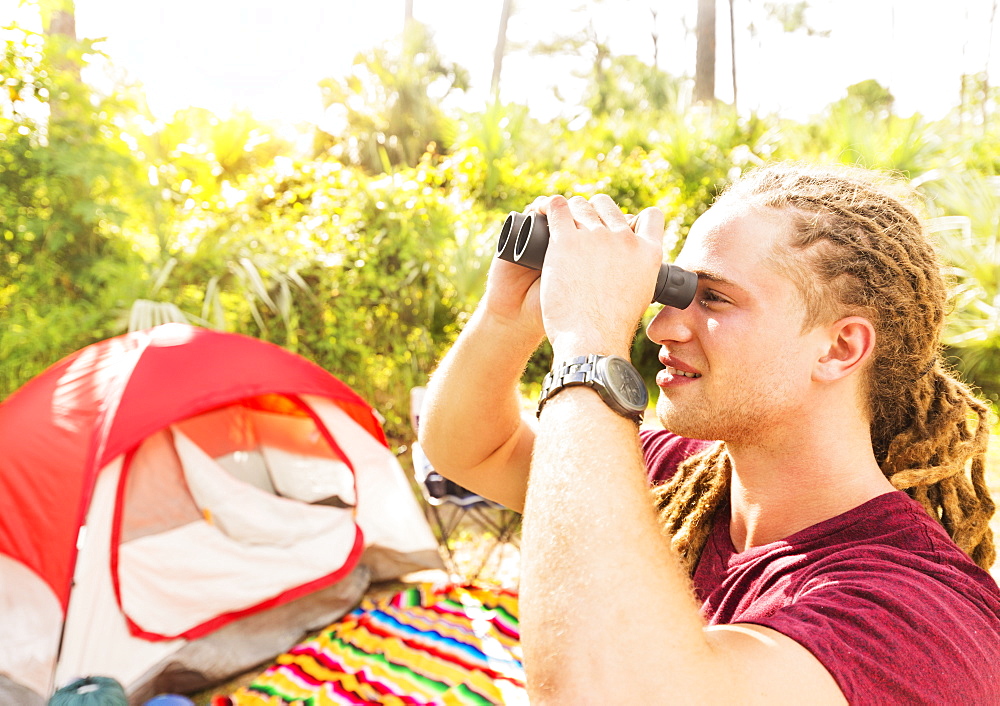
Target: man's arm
(607, 612)
(471, 428)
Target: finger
(584, 213)
(538, 205)
(559, 215)
(649, 225)
(609, 212)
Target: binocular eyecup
(524, 239)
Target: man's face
(738, 364)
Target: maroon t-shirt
(894, 610)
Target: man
(787, 564)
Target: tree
(704, 71)
(498, 51)
(59, 23)
(966, 227)
(628, 86)
(588, 43)
(732, 45)
(389, 107)
(791, 17)
(67, 195)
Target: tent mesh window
(260, 492)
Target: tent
(178, 505)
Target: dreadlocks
(858, 249)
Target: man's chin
(672, 419)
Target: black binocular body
(524, 239)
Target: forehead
(739, 243)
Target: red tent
(185, 452)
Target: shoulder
(887, 551)
(914, 636)
(896, 529)
(664, 451)
(904, 613)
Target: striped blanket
(447, 644)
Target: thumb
(649, 225)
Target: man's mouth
(675, 372)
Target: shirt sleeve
(894, 634)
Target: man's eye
(710, 297)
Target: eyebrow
(716, 278)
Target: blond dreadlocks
(858, 249)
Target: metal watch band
(575, 371)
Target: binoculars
(524, 239)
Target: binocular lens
(505, 244)
(524, 239)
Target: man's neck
(779, 490)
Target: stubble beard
(738, 422)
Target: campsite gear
(448, 644)
(90, 691)
(451, 506)
(524, 238)
(180, 504)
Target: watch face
(626, 382)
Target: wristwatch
(611, 376)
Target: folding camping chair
(451, 509)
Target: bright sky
(268, 56)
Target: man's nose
(670, 325)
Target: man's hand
(512, 298)
(598, 276)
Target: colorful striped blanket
(449, 644)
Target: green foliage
(792, 17)
(862, 129)
(388, 109)
(967, 225)
(67, 273)
(975, 123)
(370, 277)
(407, 266)
(368, 255)
(499, 158)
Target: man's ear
(847, 347)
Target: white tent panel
(249, 467)
(388, 512)
(31, 619)
(249, 515)
(309, 478)
(97, 639)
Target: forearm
(607, 612)
(471, 427)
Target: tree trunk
(732, 45)
(59, 25)
(704, 70)
(407, 14)
(656, 39)
(986, 71)
(500, 48)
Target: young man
(787, 563)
